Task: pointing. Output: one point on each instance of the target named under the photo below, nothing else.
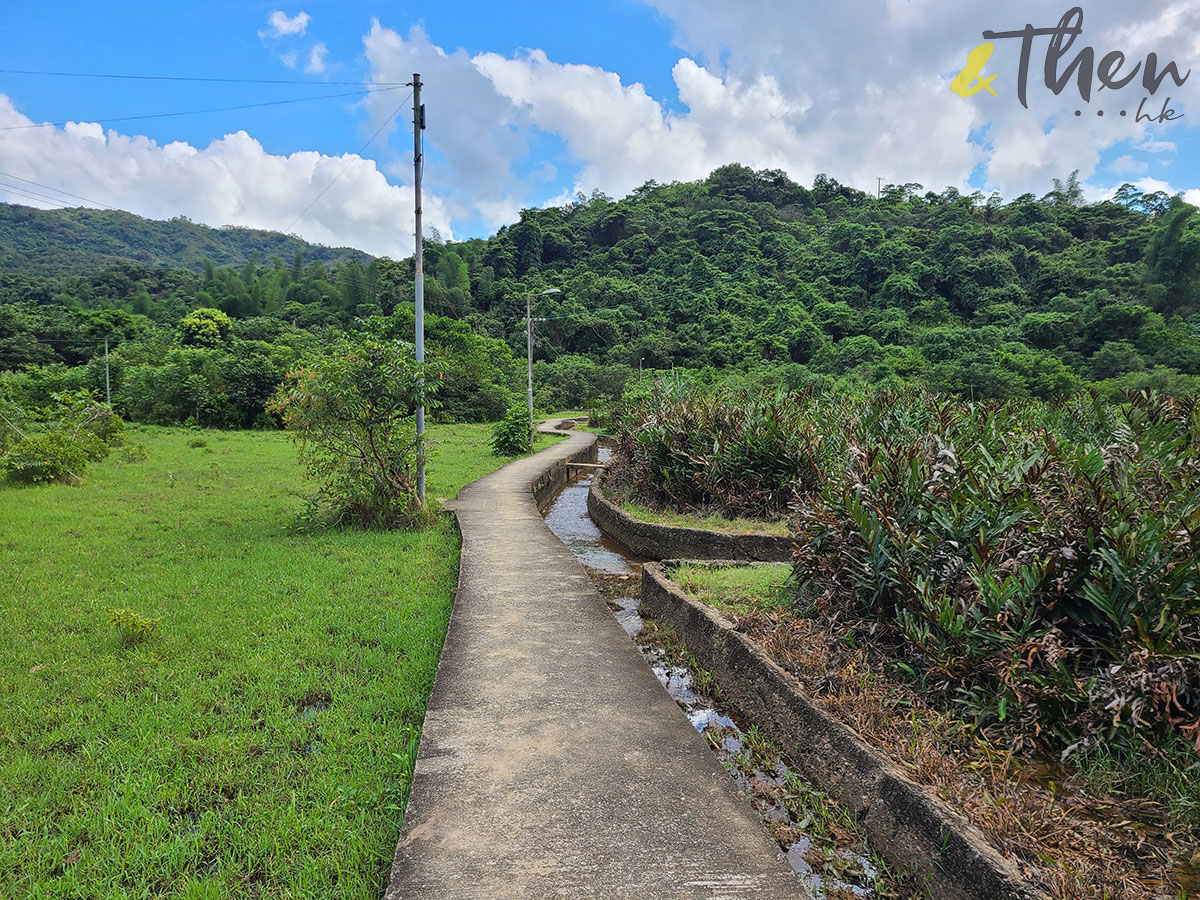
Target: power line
(55, 190)
(360, 152)
(195, 112)
(35, 195)
(24, 196)
(204, 80)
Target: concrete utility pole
(419, 260)
(529, 354)
(879, 188)
(529, 346)
(107, 383)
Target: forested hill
(744, 272)
(58, 242)
(1033, 296)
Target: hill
(57, 242)
(743, 275)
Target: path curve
(552, 763)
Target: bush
(75, 431)
(351, 411)
(47, 456)
(513, 435)
(739, 452)
(1034, 564)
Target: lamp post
(529, 345)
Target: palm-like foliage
(1036, 563)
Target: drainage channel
(814, 835)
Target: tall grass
(1034, 564)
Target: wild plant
(1035, 564)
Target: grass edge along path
(260, 741)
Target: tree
(351, 411)
(1116, 358)
(205, 327)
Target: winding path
(552, 763)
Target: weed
(132, 627)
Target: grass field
(260, 742)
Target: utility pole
(879, 188)
(107, 383)
(419, 260)
(529, 350)
(529, 354)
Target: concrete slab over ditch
(552, 763)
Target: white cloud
(280, 23)
(1157, 146)
(477, 131)
(802, 87)
(232, 181)
(807, 88)
(1146, 185)
(316, 59)
(875, 110)
(289, 60)
(1127, 165)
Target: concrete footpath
(552, 762)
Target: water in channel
(766, 783)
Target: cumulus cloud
(807, 88)
(316, 59)
(802, 87)
(280, 23)
(881, 82)
(232, 181)
(477, 133)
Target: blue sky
(531, 101)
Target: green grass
(709, 522)
(737, 589)
(260, 740)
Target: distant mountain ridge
(79, 241)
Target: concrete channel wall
(650, 540)
(911, 827)
(547, 484)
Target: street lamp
(529, 345)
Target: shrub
(132, 627)
(513, 435)
(742, 452)
(75, 430)
(1034, 564)
(47, 456)
(351, 411)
